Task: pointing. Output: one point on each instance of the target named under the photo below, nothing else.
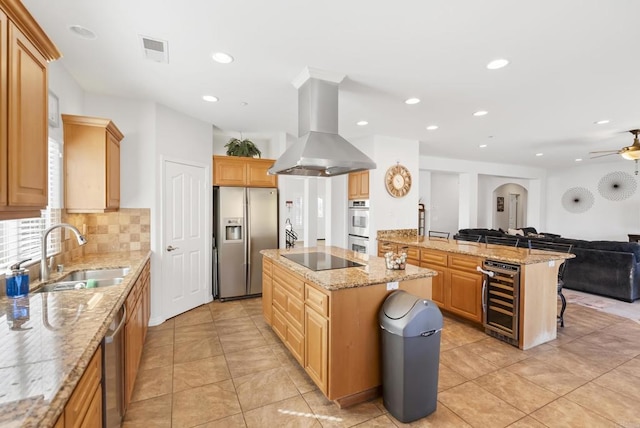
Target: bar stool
(436, 234)
(509, 241)
(558, 248)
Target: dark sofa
(607, 268)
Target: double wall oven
(359, 226)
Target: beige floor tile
(227, 310)
(448, 378)
(620, 345)
(466, 363)
(265, 387)
(156, 357)
(241, 341)
(556, 379)
(527, 422)
(563, 413)
(609, 404)
(235, 421)
(330, 415)
(443, 417)
(478, 407)
(515, 390)
(622, 382)
(204, 404)
(573, 363)
(235, 325)
(299, 377)
(293, 412)
(153, 383)
(499, 353)
(155, 412)
(251, 361)
(200, 372)
(631, 366)
(199, 315)
(382, 421)
(196, 350)
(190, 333)
(168, 324)
(157, 338)
(594, 352)
(268, 335)
(462, 334)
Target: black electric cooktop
(321, 261)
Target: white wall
(606, 220)
(70, 95)
(442, 211)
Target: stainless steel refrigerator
(245, 222)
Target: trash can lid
(399, 304)
(406, 315)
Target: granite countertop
(522, 256)
(374, 271)
(47, 340)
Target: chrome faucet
(44, 269)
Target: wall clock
(398, 181)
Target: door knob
(171, 248)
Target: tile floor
(220, 365)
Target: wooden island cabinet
(329, 320)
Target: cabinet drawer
(464, 263)
(293, 284)
(93, 418)
(266, 266)
(434, 258)
(295, 340)
(413, 253)
(317, 300)
(78, 404)
(385, 247)
(295, 313)
(280, 298)
(279, 324)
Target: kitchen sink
(97, 274)
(78, 285)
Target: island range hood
(319, 151)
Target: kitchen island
(328, 319)
(458, 288)
(49, 340)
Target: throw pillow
(515, 232)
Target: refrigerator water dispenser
(233, 229)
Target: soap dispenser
(17, 281)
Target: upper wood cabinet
(241, 171)
(91, 164)
(359, 185)
(24, 52)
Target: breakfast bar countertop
(374, 270)
(47, 340)
(522, 256)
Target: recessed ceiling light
(482, 146)
(412, 101)
(222, 58)
(539, 154)
(578, 160)
(362, 123)
(83, 32)
(481, 113)
(210, 98)
(497, 63)
(432, 127)
(602, 122)
(244, 103)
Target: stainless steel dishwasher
(113, 391)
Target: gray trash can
(411, 330)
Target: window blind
(20, 239)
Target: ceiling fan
(631, 152)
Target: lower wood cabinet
(135, 329)
(413, 253)
(267, 290)
(84, 408)
(316, 361)
(288, 310)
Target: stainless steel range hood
(320, 151)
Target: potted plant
(244, 147)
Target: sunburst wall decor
(577, 200)
(617, 186)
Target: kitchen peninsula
(458, 288)
(328, 319)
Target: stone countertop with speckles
(374, 270)
(47, 340)
(522, 256)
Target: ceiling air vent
(155, 49)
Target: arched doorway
(509, 206)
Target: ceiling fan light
(631, 154)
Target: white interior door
(185, 271)
(513, 211)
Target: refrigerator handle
(247, 241)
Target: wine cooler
(500, 300)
